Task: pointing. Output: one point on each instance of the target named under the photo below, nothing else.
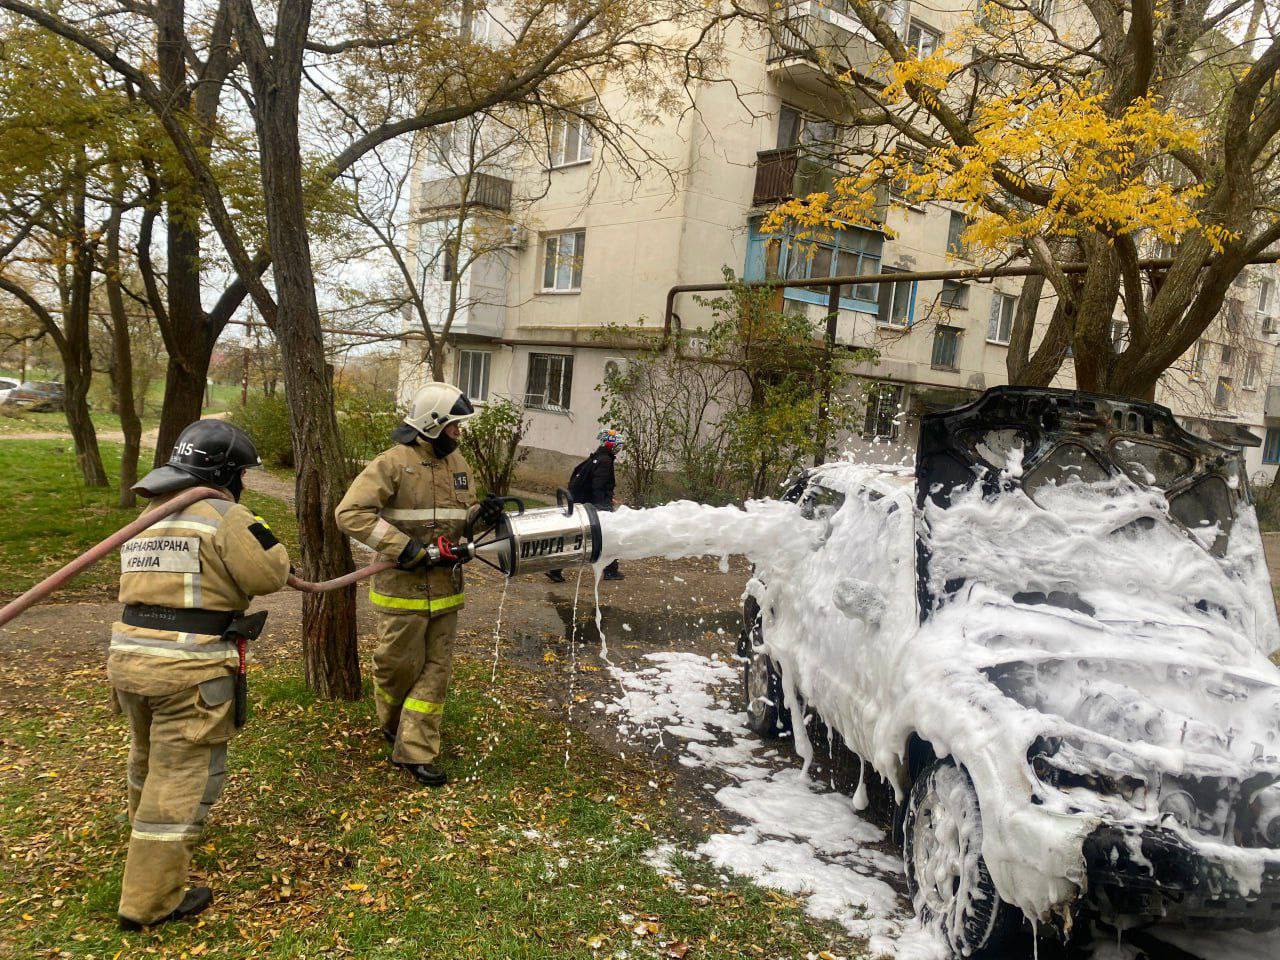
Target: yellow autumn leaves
(1040, 159)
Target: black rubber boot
(555, 576)
(196, 901)
(388, 735)
(426, 774)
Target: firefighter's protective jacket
(409, 492)
(212, 556)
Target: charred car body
(1052, 640)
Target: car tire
(761, 682)
(947, 878)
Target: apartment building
(588, 248)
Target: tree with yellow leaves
(1101, 132)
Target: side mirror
(859, 600)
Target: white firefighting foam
(1168, 672)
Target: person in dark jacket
(592, 481)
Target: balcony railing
(797, 172)
(483, 190)
(809, 29)
(792, 172)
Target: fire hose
(147, 519)
(551, 538)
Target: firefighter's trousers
(411, 669)
(177, 764)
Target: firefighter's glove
(413, 555)
(490, 512)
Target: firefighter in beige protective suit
(173, 662)
(406, 499)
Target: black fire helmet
(209, 453)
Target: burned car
(1051, 641)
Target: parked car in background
(38, 396)
(1052, 641)
(6, 387)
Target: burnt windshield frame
(947, 460)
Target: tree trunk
(184, 382)
(122, 376)
(330, 656)
(1091, 342)
(186, 334)
(77, 357)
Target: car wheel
(760, 687)
(947, 878)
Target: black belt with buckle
(152, 617)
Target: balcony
(797, 172)
(483, 191)
(811, 45)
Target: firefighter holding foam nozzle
(408, 502)
(176, 661)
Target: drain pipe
(149, 518)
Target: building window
(955, 234)
(1197, 360)
(1044, 8)
(1265, 318)
(922, 39)
(884, 401)
(1252, 367)
(796, 129)
(1222, 394)
(570, 140)
(1000, 323)
(909, 163)
(449, 260)
(550, 381)
(894, 13)
(1271, 446)
(1228, 354)
(897, 301)
(562, 255)
(955, 294)
(946, 348)
(473, 373)
(852, 252)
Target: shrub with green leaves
(729, 415)
(266, 420)
(491, 443)
(366, 418)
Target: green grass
(318, 848)
(26, 421)
(219, 398)
(50, 517)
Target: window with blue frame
(1271, 447)
(851, 252)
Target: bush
(491, 443)
(1266, 500)
(366, 418)
(266, 420)
(365, 421)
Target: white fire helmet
(437, 405)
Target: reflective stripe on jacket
(214, 555)
(408, 492)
